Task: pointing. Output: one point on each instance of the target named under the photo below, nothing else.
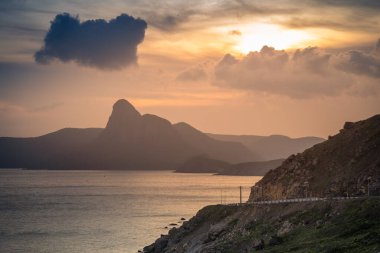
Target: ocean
(103, 211)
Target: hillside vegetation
(348, 226)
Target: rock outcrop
(346, 164)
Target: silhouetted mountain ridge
(129, 141)
(217, 149)
(204, 164)
(273, 146)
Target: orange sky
(182, 72)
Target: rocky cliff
(348, 163)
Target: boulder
(160, 244)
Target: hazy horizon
(102, 127)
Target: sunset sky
(286, 67)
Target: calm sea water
(102, 211)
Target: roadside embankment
(323, 226)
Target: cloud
(167, 22)
(192, 75)
(339, 24)
(95, 43)
(359, 63)
(305, 73)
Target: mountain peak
(122, 106)
(124, 116)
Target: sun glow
(254, 37)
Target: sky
(296, 68)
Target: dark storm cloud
(307, 72)
(96, 43)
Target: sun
(255, 36)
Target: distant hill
(346, 164)
(47, 151)
(252, 168)
(230, 151)
(129, 141)
(202, 164)
(271, 147)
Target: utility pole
(240, 196)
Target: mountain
(271, 147)
(230, 151)
(129, 141)
(46, 151)
(134, 141)
(203, 164)
(346, 164)
(252, 168)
